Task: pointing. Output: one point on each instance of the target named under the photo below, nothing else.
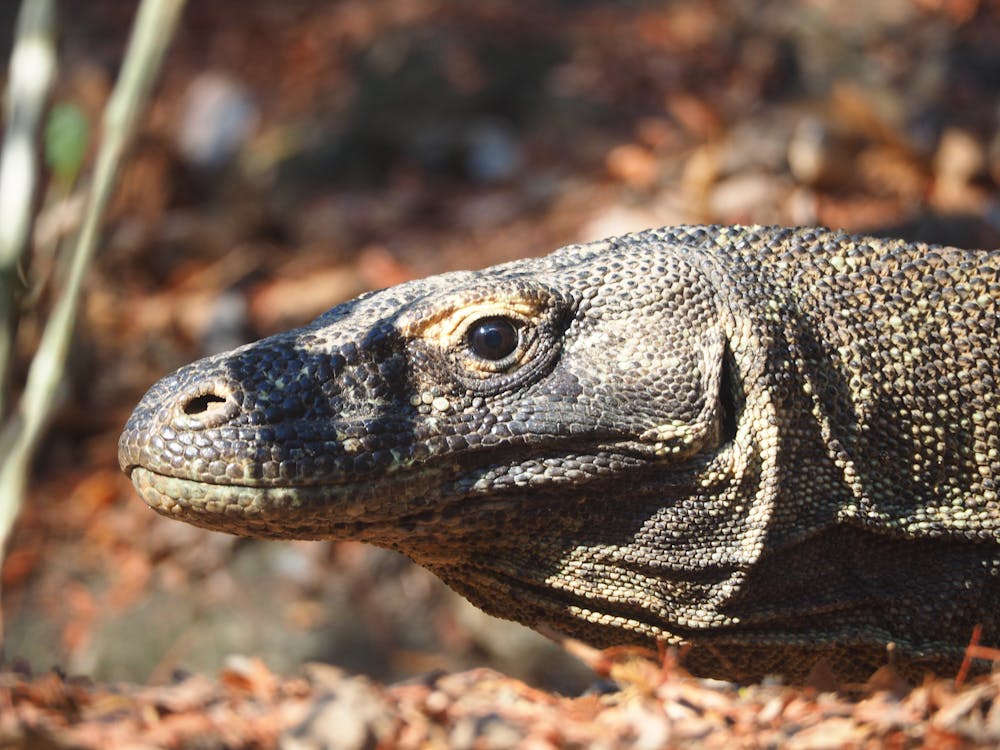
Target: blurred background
(299, 153)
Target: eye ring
(493, 339)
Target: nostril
(204, 404)
(211, 405)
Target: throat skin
(765, 445)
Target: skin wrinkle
(769, 444)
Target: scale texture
(770, 445)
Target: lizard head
(521, 429)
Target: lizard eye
(493, 339)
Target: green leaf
(66, 134)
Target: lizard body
(770, 444)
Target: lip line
(200, 514)
(402, 473)
(395, 470)
(237, 485)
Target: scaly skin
(769, 444)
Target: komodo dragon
(769, 444)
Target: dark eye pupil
(493, 338)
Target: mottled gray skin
(768, 444)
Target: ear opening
(731, 397)
(716, 422)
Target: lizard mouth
(280, 512)
(390, 501)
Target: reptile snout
(178, 420)
(268, 413)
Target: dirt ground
(299, 153)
